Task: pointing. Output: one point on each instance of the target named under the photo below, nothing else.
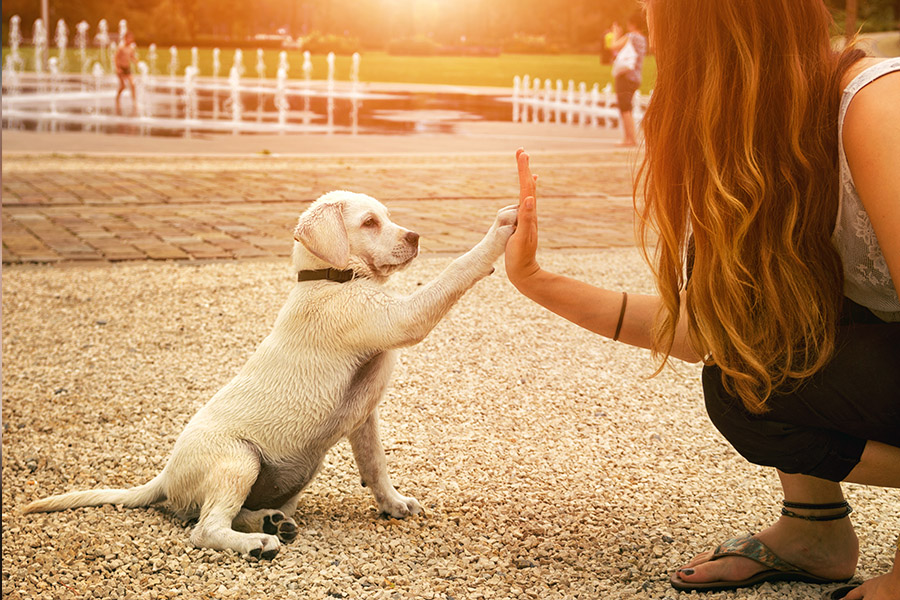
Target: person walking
(125, 57)
(629, 50)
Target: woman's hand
(886, 587)
(522, 246)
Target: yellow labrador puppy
(243, 459)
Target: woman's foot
(829, 549)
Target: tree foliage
(565, 24)
(574, 24)
(869, 15)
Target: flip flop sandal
(750, 547)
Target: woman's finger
(526, 179)
(527, 221)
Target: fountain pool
(180, 102)
(194, 105)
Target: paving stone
(160, 251)
(250, 252)
(174, 208)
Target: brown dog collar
(329, 274)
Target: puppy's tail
(143, 495)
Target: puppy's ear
(321, 230)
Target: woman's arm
(588, 306)
(872, 145)
(619, 39)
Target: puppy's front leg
(397, 322)
(427, 306)
(372, 464)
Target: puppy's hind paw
(284, 527)
(268, 521)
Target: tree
(850, 18)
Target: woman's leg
(879, 465)
(625, 89)
(630, 138)
(825, 548)
(816, 430)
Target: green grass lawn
(380, 67)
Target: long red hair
(741, 153)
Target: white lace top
(867, 280)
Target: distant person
(125, 57)
(629, 50)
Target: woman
(628, 76)
(770, 183)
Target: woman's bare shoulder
(858, 67)
(876, 102)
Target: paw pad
(267, 555)
(283, 527)
(287, 532)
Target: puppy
(243, 459)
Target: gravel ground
(550, 465)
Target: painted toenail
(686, 571)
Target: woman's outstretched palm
(522, 246)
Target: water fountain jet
(152, 57)
(39, 38)
(234, 81)
(81, 43)
(173, 71)
(62, 39)
(216, 66)
(15, 39)
(98, 74)
(330, 99)
(260, 78)
(281, 102)
(102, 39)
(307, 76)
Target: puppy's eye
(370, 222)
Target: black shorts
(626, 85)
(821, 428)
(123, 71)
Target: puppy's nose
(412, 238)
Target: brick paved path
(102, 209)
